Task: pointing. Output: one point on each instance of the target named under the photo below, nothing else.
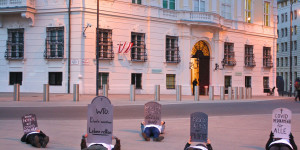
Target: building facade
(288, 42)
(229, 43)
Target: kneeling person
(37, 139)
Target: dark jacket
(187, 145)
(26, 139)
(271, 139)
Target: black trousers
(30, 138)
(298, 95)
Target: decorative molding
(30, 16)
(136, 28)
(56, 23)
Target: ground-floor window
(170, 84)
(15, 78)
(227, 83)
(55, 78)
(103, 79)
(136, 79)
(266, 84)
(247, 81)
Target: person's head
(280, 147)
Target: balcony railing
(17, 3)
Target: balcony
(25, 7)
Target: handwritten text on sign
(29, 123)
(281, 123)
(199, 127)
(100, 121)
(152, 113)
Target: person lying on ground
(37, 139)
(152, 130)
(200, 146)
(281, 144)
(100, 146)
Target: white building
(173, 43)
(283, 42)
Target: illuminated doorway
(200, 59)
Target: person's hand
(86, 135)
(143, 122)
(271, 135)
(190, 140)
(38, 130)
(162, 122)
(291, 136)
(208, 142)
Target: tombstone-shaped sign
(281, 123)
(199, 127)
(152, 113)
(29, 123)
(100, 121)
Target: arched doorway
(200, 59)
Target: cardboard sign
(29, 123)
(100, 121)
(281, 123)
(152, 112)
(199, 127)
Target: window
(295, 14)
(286, 61)
(15, 44)
(229, 59)
(295, 29)
(277, 32)
(105, 44)
(172, 50)
(266, 84)
(169, 4)
(249, 56)
(137, 1)
(285, 30)
(291, 44)
(103, 79)
(267, 14)
(248, 81)
(138, 50)
(226, 9)
(267, 58)
(295, 60)
(286, 17)
(277, 47)
(227, 83)
(281, 62)
(277, 19)
(170, 81)
(295, 45)
(54, 43)
(282, 47)
(136, 79)
(199, 5)
(285, 46)
(277, 62)
(282, 17)
(15, 78)
(55, 78)
(248, 7)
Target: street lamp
(97, 51)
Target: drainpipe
(69, 46)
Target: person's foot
(160, 138)
(45, 141)
(37, 142)
(145, 137)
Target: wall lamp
(87, 25)
(217, 67)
